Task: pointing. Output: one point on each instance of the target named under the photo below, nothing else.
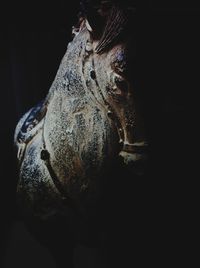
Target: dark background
(33, 40)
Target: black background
(33, 40)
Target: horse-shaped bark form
(88, 124)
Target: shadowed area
(164, 202)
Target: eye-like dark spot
(121, 84)
(93, 75)
(44, 155)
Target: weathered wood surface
(86, 124)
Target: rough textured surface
(67, 142)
